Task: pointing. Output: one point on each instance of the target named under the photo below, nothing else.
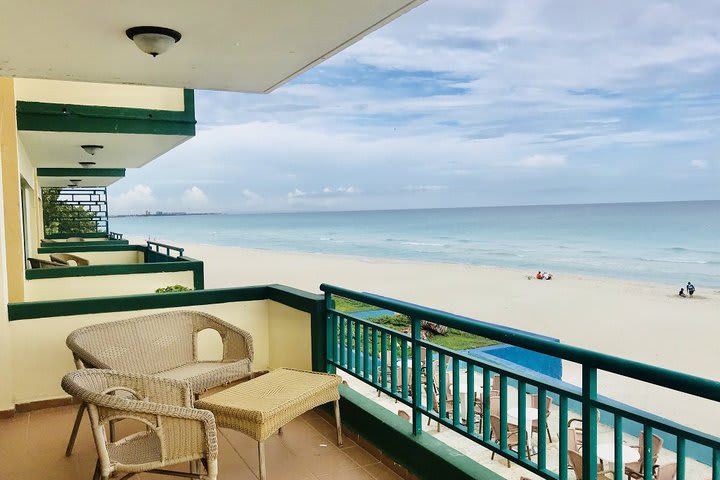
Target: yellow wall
(106, 258)
(102, 285)
(6, 398)
(11, 192)
(41, 357)
(290, 337)
(81, 93)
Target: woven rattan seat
(262, 406)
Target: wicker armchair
(40, 263)
(66, 257)
(175, 431)
(163, 345)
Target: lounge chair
(40, 263)
(512, 436)
(666, 472)
(576, 463)
(636, 469)
(534, 400)
(66, 257)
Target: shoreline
(391, 260)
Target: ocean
(667, 242)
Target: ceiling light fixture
(75, 181)
(153, 40)
(86, 164)
(92, 149)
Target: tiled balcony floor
(32, 447)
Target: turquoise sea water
(669, 242)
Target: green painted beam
(99, 246)
(126, 303)
(58, 117)
(80, 172)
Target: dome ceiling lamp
(153, 40)
(91, 149)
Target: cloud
(473, 101)
(543, 161)
(699, 164)
(325, 197)
(136, 200)
(250, 198)
(194, 198)
(424, 188)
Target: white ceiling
(85, 181)
(238, 45)
(62, 149)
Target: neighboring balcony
(113, 268)
(417, 376)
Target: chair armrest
(237, 343)
(159, 390)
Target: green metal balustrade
(392, 362)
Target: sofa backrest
(149, 344)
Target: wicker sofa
(163, 345)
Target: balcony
(116, 268)
(296, 329)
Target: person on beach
(546, 276)
(539, 275)
(682, 292)
(690, 289)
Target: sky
(467, 103)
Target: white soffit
(237, 45)
(85, 182)
(120, 150)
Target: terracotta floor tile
(331, 463)
(361, 456)
(382, 472)
(32, 446)
(356, 474)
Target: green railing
(393, 363)
(156, 246)
(115, 236)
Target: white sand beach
(634, 320)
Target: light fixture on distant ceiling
(86, 164)
(75, 181)
(92, 149)
(153, 40)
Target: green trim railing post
(680, 458)
(647, 447)
(618, 446)
(503, 413)
(522, 420)
(416, 375)
(563, 460)
(470, 395)
(589, 422)
(330, 332)
(486, 405)
(542, 428)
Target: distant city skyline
(459, 104)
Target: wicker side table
(262, 406)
